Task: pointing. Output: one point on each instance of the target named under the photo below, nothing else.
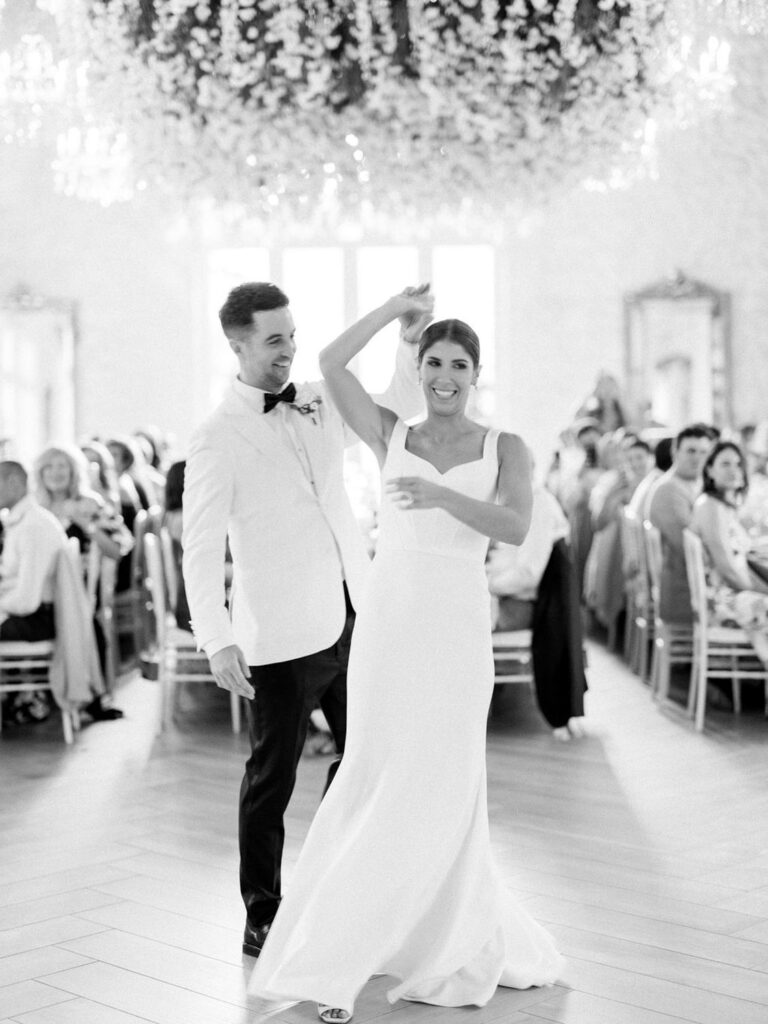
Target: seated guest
(514, 571)
(102, 473)
(32, 540)
(671, 510)
(662, 461)
(603, 576)
(62, 487)
(638, 460)
(131, 471)
(736, 596)
(148, 447)
(131, 503)
(578, 475)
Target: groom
(265, 471)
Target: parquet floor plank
(45, 933)
(663, 936)
(24, 996)
(78, 1011)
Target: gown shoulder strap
(491, 445)
(399, 432)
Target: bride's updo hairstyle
(451, 330)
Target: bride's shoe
(332, 1014)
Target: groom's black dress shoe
(253, 938)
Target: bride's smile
(447, 374)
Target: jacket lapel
(253, 427)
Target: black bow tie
(286, 395)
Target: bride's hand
(414, 492)
(416, 309)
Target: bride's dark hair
(451, 330)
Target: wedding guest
(514, 571)
(62, 486)
(157, 445)
(149, 443)
(639, 503)
(579, 473)
(266, 469)
(135, 486)
(102, 475)
(638, 459)
(603, 574)
(32, 541)
(131, 503)
(670, 509)
(736, 595)
(605, 405)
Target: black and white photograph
(383, 511)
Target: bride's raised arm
(371, 422)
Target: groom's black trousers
(278, 717)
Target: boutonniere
(307, 402)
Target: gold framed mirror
(677, 354)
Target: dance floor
(642, 847)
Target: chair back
(140, 525)
(653, 556)
(694, 567)
(93, 562)
(156, 584)
(629, 538)
(169, 567)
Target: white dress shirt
(33, 538)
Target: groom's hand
(230, 670)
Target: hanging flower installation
(296, 107)
(391, 104)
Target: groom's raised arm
(207, 499)
(403, 394)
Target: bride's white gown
(396, 875)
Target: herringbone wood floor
(642, 847)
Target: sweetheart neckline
(444, 472)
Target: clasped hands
(415, 310)
(414, 492)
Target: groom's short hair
(247, 299)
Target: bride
(396, 876)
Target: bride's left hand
(414, 492)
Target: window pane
(313, 279)
(382, 270)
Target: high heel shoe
(332, 1014)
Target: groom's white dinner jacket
(273, 483)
